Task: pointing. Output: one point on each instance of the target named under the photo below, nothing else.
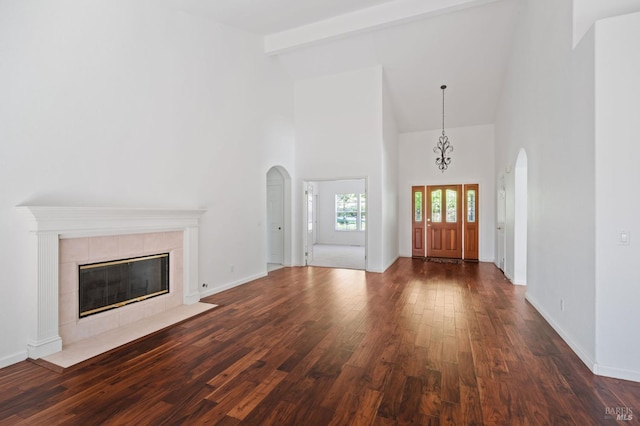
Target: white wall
(338, 125)
(587, 12)
(537, 113)
(575, 112)
(472, 162)
(617, 206)
(326, 211)
(390, 175)
(135, 104)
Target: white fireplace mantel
(48, 224)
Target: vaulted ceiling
(420, 44)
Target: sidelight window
(471, 205)
(417, 202)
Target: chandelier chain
(444, 87)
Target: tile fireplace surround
(63, 237)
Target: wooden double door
(445, 221)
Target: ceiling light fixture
(444, 147)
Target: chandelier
(444, 147)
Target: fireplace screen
(109, 285)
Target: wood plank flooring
(423, 343)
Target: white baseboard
(44, 347)
(617, 373)
(388, 265)
(577, 349)
(13, 359)
(380, 271)
(227, 286)
(506, 274)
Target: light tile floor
(338, 256)
(88, 348)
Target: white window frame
(361, 213)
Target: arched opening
(278, 232)
(520, 220)
(501, 234)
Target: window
(452, 205)
(417, 203)
(471, 205)
(436, 206)
(363, 212)
(351, 212)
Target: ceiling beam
(383, 15)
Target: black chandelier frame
(444, 147)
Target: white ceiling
(466, 48)
(273, 16)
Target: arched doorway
(501, 234)
(278, 232)
(520, 219)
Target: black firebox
(116, 283)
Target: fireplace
(116, 283)
(65, 237)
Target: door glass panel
(309, 211)
(436, 206)
(471, 205)
(452, 205)
(363, 212)
(417, 214)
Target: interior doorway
(278, 219)
(445, 221)
(335, 217)
(520, 219)
(501, 235)
(311, 223)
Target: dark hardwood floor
(423, 343)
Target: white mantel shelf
(90, 221)
(49, 224)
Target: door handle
(279, 228)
